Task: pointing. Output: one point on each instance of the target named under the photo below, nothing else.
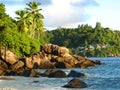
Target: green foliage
(22, 21)
(19, 43)
(30, 20)
(103, 40)
(6, 25)
(28, 46)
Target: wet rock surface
(7, 78)
(74, 73)
(75, 83)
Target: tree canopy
(88, 41)
(30, 20)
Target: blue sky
(70, 13)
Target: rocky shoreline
(50, 57)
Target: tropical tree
(35, 19)
(22, 20)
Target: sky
(71, 13)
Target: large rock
(63, 62)
(47, 72)
(29, 62)
(57, 74)
(62, 65)
(63, 51)
(54, 56)
(87, 63)
(8, 56)
(76, 83)
(79, 58)
(17, 65)
(38, 60)
(46, 64)
(70, 60)
(55, 49)
(10, 72)
(3, 64)
(74, 73)
(47, 48)
(2, 71)
(30, 73)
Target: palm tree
(22, 20)
(35, 18)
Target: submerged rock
(74, 73)
(30, 73)
(35, 81)
(49, 71)
(7, 78)
(97, 62)
(76, 83)
(57, 74)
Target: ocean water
(103, 77)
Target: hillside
(88, 41)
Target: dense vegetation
(88, 41)
(25, 34)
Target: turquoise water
(103, 77)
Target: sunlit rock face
(50, 57)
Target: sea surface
(103, 77)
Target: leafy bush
(19, 43)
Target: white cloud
(63, 13)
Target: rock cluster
(53, 73)
(50, 57)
